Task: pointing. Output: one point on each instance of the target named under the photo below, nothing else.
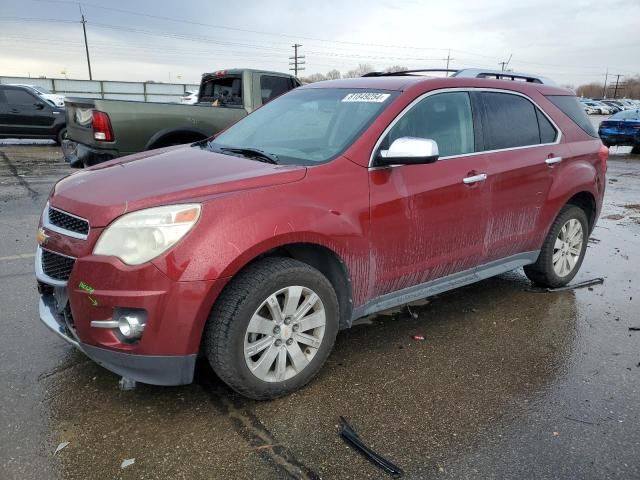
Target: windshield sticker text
(366, 97)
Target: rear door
(427, 222)
(523, 153)
(26, 114)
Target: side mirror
(409, 151)
(39, 105)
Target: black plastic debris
(586, 283)
(634, 329)
(352, 438)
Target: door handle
(481, 177)
(553, 160)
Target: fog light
(130, 326)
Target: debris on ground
(418, 337)
(60, 447)
(586, 283)
(126, 384)
(127, 462)
(352, 438)
(615, 216)
(634, 329)
(413, 314)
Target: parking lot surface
(509, 382)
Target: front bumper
(152, 369)
(80, 155)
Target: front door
(26, 114)
(429, 221)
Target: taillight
(101, 127)
(603, 154)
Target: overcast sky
(571, 41)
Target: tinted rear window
(572, 109)
(511, 121)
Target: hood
(161, 177)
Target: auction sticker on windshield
(366, 97)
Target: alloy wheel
(568, 247)
(284, 334)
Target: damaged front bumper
(152, 369)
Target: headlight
(138, 237)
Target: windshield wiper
(254, 153)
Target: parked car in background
(100, 130)
(590, 110)
(622, 129)
(54, 98)
(600, 108)
(335, 201)
(189, 97)
(25, 114)
(614, 107)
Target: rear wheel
(563, 250)
(272, 328)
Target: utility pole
(448, 59)
(604, 89)
(504, 65)
(297, 59)
(615, 91)
(86, 45)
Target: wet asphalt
(509, 382)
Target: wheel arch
(323, 259)
(156, 140)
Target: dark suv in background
(25, 115)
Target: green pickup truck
(100, 130)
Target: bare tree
(333, 74)
(396, 68)
(362, 69)
(314, 77)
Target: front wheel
(272, 328)
(62, 135)
(563, 250)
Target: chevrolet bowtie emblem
(41, 237)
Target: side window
(272, 87)
(16, 96)
(511, 121)
(222, 91)
(443, 117)
(548, 132)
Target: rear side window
(16, 96)
(510, 121)
(272, 87)
(222, 91)
(572, 109)
(548, 132)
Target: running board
(444, 284)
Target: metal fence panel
(165, 89)
(137, 91)
(84, 86)
(40, 82)
(122, 87)
(124, 96)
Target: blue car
(623, 128)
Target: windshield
(307, 126)
(40, 89)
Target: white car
(600, 108)
(54, 98)
(189, 97)
(590, 110)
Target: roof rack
(472, 73)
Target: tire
(635, 150)
(543, 272)
(62, 134)
(228, 343)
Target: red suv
(337, 200)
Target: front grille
(68, 222)
(57, 266)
